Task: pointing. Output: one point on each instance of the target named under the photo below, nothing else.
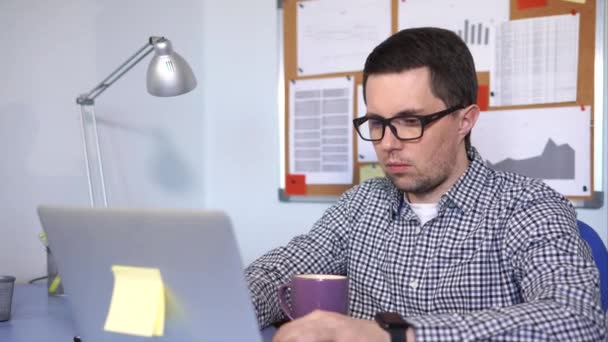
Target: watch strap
(394, 324)
(397, 334)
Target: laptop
(195, 251)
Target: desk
(41, 318)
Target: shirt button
(414, 284)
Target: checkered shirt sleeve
(502, 261)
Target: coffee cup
(309, 292)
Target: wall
(44, 63)
(241, 125)
(152, 147)
(217, 147)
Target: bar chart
(474, 33)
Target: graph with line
(336, 36)
(553, 145)
(555, 162)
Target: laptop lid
(195, 251)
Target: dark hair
(452, 71)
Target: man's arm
(557, 278)
(322, 250)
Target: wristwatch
(394, 324)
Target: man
(459, 251)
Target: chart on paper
(320, 130)
(474, 33)
(523, 142)
(337, 35)
(536, 61)
(476, 27)
(554, 162)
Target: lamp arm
(144, 51)
(92, 151)
(90, 138)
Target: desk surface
(39, 317)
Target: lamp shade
(168, 73)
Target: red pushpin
(582, 108)
(573, 11)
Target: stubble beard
(420, 184)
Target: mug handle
(283, 301)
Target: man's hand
(323, 326)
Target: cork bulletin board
(562, 34)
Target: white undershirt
(425, 211)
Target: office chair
(600, 255)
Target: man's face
(426, 167)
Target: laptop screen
(194, 252)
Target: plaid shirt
(502, 261)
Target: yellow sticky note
(138, 302)
(577, 1)
(370, 171)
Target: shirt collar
(394, 196)
(469, 188)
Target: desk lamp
(168, 75)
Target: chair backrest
(600, 254)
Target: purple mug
(311, 292)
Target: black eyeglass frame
(425, 120)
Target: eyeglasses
(403, 126)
